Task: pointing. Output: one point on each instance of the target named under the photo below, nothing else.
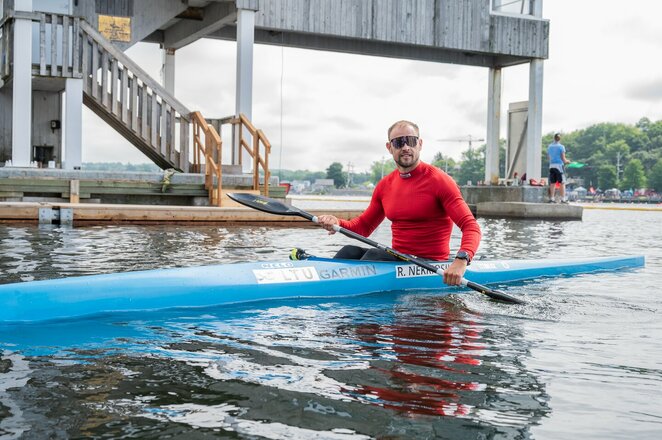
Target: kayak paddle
(271, 206)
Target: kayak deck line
(315, 277)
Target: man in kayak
(422, 203)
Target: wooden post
(74, 191)
(256, 161)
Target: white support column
(493, 126)
(536, 8)
(534, 127)
(22, 88)
(244, 103)
(73, 124)
(168, 70)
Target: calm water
(583, 359)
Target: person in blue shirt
(557, 161)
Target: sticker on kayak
(286, 275)
(411, 270)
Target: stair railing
(207, 149)
(255, 144)
(138, 103)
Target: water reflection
(370, 366)
(441, 362)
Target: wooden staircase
(130, 101)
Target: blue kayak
(230, 283)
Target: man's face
(407, 156)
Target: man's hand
(327, 222)
(454, 273)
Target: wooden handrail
(258, 146)
(254, 151)
(211, 150)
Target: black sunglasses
(401, 141)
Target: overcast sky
(604, 65)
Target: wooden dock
(85, 214)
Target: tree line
(615, 155)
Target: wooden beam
(216, 16)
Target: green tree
(335, 172)
(655, 177)
(654, 133)
(633, 175)
(361, 178)
(472, 166)
(607, 176)
(444, 162)
(643, 124)
(617, 150)
(381, 168)
(290, 175)
(648, 158)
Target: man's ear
(388, 147)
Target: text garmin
(348, 272)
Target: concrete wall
(479, 194)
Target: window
(522, 7)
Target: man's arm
(364, 224)
(459, 212)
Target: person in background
(422, 202)
(557, 162)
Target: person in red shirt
(422, 203)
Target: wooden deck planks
(88, 213)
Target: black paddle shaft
(271, 206)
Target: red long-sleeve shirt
(422, 209)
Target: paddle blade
(494, 294)
(575, 165)
(266, 204)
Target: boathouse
(56, 56)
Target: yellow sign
(115, 28)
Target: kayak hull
(230, 283)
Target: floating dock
(525, 210)
(46, 196)
(81, 214)
(84, 214)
